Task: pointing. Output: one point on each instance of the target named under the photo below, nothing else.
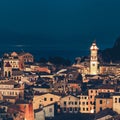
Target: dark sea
(46, 53)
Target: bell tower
(93, 59)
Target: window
(91, 96)
(83, 103)
(70, 109)
(91, 91)
(100, 101)
(70, 103)
(51, 99)
(64, 109)
(86, 109)
(86, 103)
(70, 75)
(119, 100)
(50, 109)
(75, 109)
(83, 109)
(64, 102)
(45, 99)
(75, 103)
(107, 102)
(115, 100)
(100, 108)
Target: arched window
(5, 73)
(9, 74)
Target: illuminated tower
(93, 59)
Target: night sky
(59, 24)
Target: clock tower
(93, 59)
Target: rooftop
(104, 113)
(116, 94)
(9, 82)
(104, 95)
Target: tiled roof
(104, 113)
(104, 95)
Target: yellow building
(25, 58)
(7, 70)
(12, 88)
(84, 104)
(44, 100)
(12, 59)
(103, 101)
(92, 94)
(108, 69)
(69, 104)
(116, 102)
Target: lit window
(107, 102)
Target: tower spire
(94, 41)
(93, 59)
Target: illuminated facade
(94, 59)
